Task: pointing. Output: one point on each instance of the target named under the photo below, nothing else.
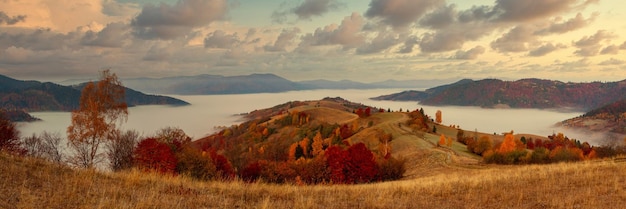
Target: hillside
(525, 93)
(47, 96)
(610, 118)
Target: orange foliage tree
(508, 145)
(102, 105)
(438, 116)
(442, 140)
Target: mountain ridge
(523, 93)
(47, 96)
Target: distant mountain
(214, 84)
(343, 84)
(38, 96)
(525, 93)
(257, 83)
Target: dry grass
(29, 183)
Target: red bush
(251, 172)
(361, 166)
(9, 136)
(153, 155)
(222, 165)
(355, 165)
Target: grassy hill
(436, 177)
(32, 183)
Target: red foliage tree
(355, 165)
(9, 136)
(336, 160)
(345, 131)
(153, 155)
(361, 165)
(222, 165)
(251, 172)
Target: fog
(209, 111)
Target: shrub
(251, 172)
(120, 150)
(46, 146)
(539, 155)
(195, 164)
(390, 169)
(562, 154)
(10, 136)
(151, 155)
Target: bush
(10, 136)
(251, 172)
(120, 150)
(151, 155)
(540, 156)
(390, 169)
(562, 154)
(195, 164)
(46, 146)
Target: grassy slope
(29, 183)
(437, 177)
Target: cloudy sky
(362, 40)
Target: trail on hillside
(424, 157)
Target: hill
(525, 93)
(610, 118)
(47, 96)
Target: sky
(360, 40)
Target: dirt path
(424, 157)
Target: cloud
(310, 8)
(524, 10)
(545, 49)
(623, 46)
(469, 54)
(219, 39)
(169, 22)
(570, 25)
(400, 13)
(595, 39)
(453, 37)
(113, 35)
(515, 40)
(612, 49)
(40, 39)
(612, 61)
(591, 45)
(383, 41)
(347, 34)
(440, 18)
(115, 8)
(158, 52)
(573, 66)
(409, 43)
(284, 40)
(5, 19)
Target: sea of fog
(207, 112)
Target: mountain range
(257, 83)
(46, 96)
(524, 93)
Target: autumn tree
(152, 155)
(9, 136)
(442, 140)
(94, 123)
(121, 148)
(438, 116)
(508, 145)
(484, 143)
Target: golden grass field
(33, 183)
